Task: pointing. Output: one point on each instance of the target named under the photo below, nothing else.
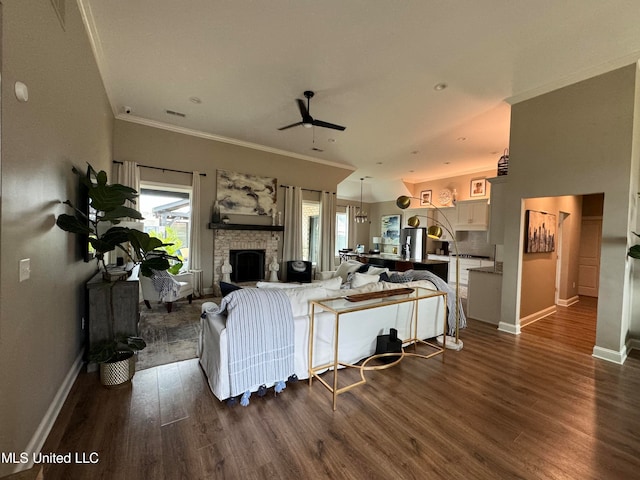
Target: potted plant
(107, 203)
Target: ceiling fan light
(307, 124)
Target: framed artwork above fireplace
(245, 194)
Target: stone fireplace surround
(226, 240)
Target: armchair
(167, 288)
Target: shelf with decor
(241, 226)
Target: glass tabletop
(361, 302)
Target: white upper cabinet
(472, 215)
(447, 217)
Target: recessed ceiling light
(439, 86)
(316, 149)
(411, 171)
(415, 152)
(378, 163)
(447, 163)
(462, 139)
(195, 100)
(331, 140)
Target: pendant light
(361, 215)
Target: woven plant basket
(118, 372)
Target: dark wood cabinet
(101, 297)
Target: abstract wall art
(541, 232)
(245, 194)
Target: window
(342, 232)
(311, 231)
(167, 215)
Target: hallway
(573, 327)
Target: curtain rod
(160, 168)
(307, 189)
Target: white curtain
(351, 226)
(195, 255)
(292, 248)
(128, 174)
(327, 231)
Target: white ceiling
(373, 65)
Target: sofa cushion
(227, 288)
(373, 270)
(360, 279)
(345, 268)
(300, 298)
(329, 283)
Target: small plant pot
(118, 371)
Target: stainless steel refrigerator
(413, 244)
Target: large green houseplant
(101, 229)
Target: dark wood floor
(504, 407)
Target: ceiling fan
(307, 120)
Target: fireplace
(247, 265)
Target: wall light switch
(25, 269)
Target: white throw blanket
(166, 286)
(260, 333)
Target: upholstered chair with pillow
(166, 288)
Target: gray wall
(162, 148)
(577, 140)
(67, 121)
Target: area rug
(171, 337)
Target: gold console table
(340, 306)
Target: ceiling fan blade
(292, 125)
(303, 108)
(320, 123)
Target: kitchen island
(396, 263)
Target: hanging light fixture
(361, 215)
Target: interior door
(589, 257)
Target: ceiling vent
(176, 114)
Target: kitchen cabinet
(446, 217)
(496, 210)
(484, 296)
(123, 297)
(472, 215)
(465, 265)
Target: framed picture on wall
(390, 229)
(541, 232)
(478, 187)
(425, 197)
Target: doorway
(574, 266)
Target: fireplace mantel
(238, 226)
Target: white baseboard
(46, 424)
(537, 315)
(610, 355)
(633, 344)
(567, 302)
(509, 328)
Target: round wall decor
(445, 197)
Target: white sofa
(357, 336)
